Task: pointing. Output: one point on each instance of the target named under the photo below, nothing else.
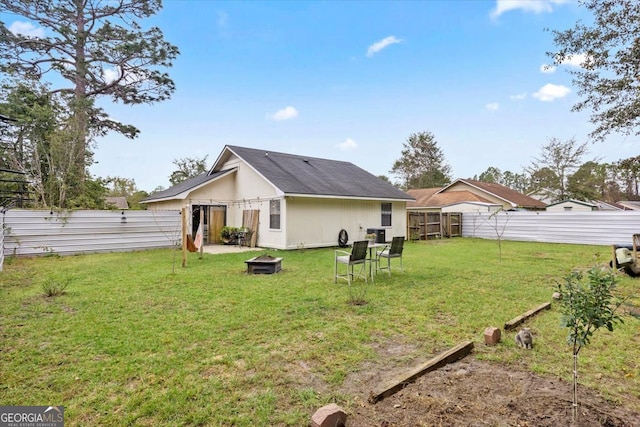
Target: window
(568, 208)
(274, 214)
(386, 215)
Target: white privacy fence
(39, 232)
(594, 228)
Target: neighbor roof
(432, 198)
(505, 193)
(630, 205)
(303, 175)
(117, 202)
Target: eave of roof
(577, 202)
(183, 189)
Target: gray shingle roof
(184, 186)
(295, 174)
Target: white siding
(595, 228)
(315, 222)
(471, 207)
(33, 232)
(570, 206)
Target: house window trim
(386, 214)
(277, 215)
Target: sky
(352, 80)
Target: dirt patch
(471, 392)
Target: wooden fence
(433, 225)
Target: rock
(330, 415)
(556, 296)
(491, 336)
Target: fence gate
(434, 225)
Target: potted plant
(371, 237)
(228, 235)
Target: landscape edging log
(394, 385)
(513, 323)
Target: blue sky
(351, 80)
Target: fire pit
(264, 264)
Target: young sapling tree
(587, 304)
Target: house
(432, 200)
(290, 201)
(469, 195)
(571, 205)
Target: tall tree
(492, 174)
(557, 160)
(422, 164)
(516, 181)
(629, 175)
(91, 49)
(608, 77)
(188, 168)
(590, 182)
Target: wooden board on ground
(513, 323)
(396, 384)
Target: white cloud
(547, 69)
(576, 60)
(26, 29)
(518, 96)
(378, 46)
(492, 106)
(551, 92)
(110, 74)
(534, 6)
(347, 145)
(286, 113)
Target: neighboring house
(293, 201)
(571, 205)
(630, 205)
(471, 196)
(432, 200)
(117, 202)
(496, 193)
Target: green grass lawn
(132, 342)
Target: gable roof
(433, 198)
(311, 176)
(181, 190)
(118, 202)
(575, 201)
(515, 198)
(630, 205)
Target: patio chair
(395, 251)
(357, 257)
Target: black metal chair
(395, 251)
(357, 257)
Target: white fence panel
(2, 244)
(591, 228)
(39, 232)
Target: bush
(54, 287)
